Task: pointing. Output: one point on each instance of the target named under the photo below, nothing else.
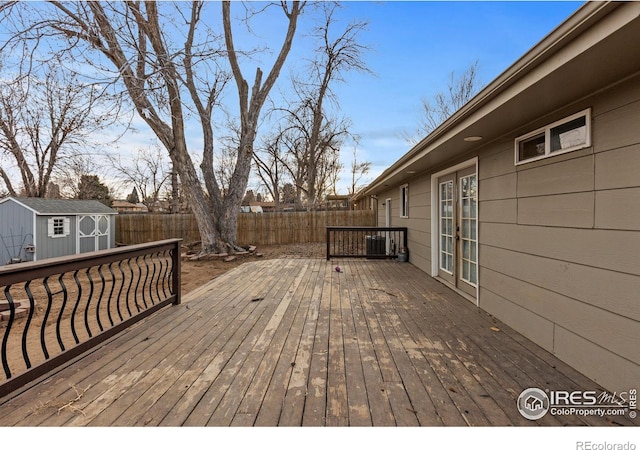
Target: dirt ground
(197, 273)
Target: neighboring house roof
(127, 206)
(49, 206)
(264, 205)
(594, 48)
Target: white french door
(458, 229)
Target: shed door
(458, 229)
(93, 233)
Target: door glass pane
(468, 234)
(446, 226)
(473, 273)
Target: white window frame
(51, 227)
(546, 133)
(404, 201)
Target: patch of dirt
(198, 273)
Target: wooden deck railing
(365, 242)
(53, 310)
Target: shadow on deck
(293, 342)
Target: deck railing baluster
(7, 330)
(65, 297)
(118, 303)
(113, 286)
(163, 275)
(75, 308)
(129, 284)
(100, 297)
(144, 285)
(86, 310)
(157, 283)
(25, 350)
(43, 328)
(137, 289)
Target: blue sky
(415, 47)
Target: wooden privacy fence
(256, 229)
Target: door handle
(458, 233)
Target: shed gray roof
(48, 206)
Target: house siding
(559, 238)
(560, 242)
(16, 227)
(418, 222)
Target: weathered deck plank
(293, 342)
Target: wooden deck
(293, 342)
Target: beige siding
(599, 326)
(559, 239)
(618, 168)
(419, 222)
(618, 209)
(533, 326)
(496, 164)
(560, 242)
(497, 188)
(574, 175)
(610, 291)
(565, 210)
(499, 211)
(606, 249)
(599, 363)
(623, 121)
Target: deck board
(294, 342)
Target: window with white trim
(58, 226)
(404, 201)
(566, 135)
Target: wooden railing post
(176, 261)
(328, 240)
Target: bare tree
(444, 103)
(309, 137)
(358, 170)
(269, 160)
(334, 57)
(43, 121)
(148, 171)
(71, 170)
(169, 82)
